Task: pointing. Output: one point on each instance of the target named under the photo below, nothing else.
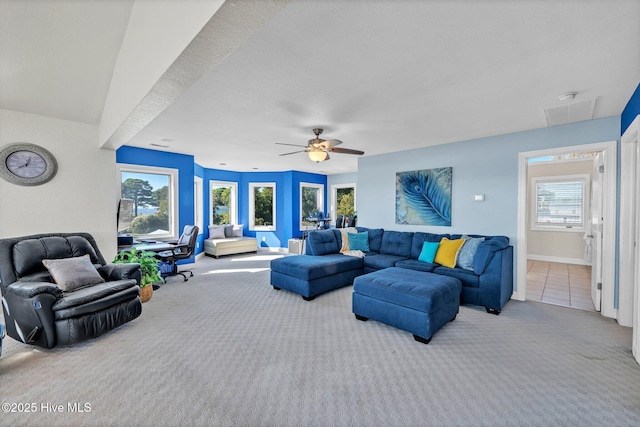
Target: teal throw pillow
(359, 241)
(468, 251)
(428, 253)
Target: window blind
(560, 203)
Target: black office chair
(185, 247)
(340, 221)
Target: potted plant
(148, 269)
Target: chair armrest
(112, 272)
(169, 253)
(31, 289)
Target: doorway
(608, 152)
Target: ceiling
(379, 75)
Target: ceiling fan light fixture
(318, 155)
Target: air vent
(570, 112)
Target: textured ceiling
(379, 75)
(57, 57)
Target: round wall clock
(27, 164)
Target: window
(344, 200)
(223, 202)
(154, 193)
(262, 206)
(311, 201)
(560, 203)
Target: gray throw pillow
(468, 251)
(216, 232)
(73, 273)
(237, 230)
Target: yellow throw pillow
(448, 250)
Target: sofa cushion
(95, 298)
(420, 291)
(375, 237)
(322, 242)
(380, 261)
(419, 238)
(468, 251)
(414, 264)
(73, 273)
(485, 252)
(359, 241)
(468, 278)
(397, 243)
(448, 250)
(308, 267)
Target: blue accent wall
(631, 110)
(287, 193)
(186, 170)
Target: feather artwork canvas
(423, 197)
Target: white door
(596, 231)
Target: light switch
(478, 197)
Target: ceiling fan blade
(345, 151)
(330, 143)
(293, 152)
(293, 145)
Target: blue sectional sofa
(489, 283)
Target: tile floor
(568, 285)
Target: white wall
(566, 246)
(81, 197)
(486, 166)
(157, 33)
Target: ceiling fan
(319, 149)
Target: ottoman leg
(308, 298)
(422, 340)
(364, 319)
(493, 311)
(276, 288)
(453, 318)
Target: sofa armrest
(31, 289)
(496, 283)
(486, 251)
(112, 272)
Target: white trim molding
(609, 150)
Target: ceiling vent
(570, 112)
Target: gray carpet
(226, 349)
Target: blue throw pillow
(428, 253)
(468, 251)
(359, 241)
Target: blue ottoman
(414, 301)
(310, 275)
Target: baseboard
(563, 260)
(277, 250)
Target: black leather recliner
(40, 313)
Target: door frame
(609, 229)
(627, 273)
